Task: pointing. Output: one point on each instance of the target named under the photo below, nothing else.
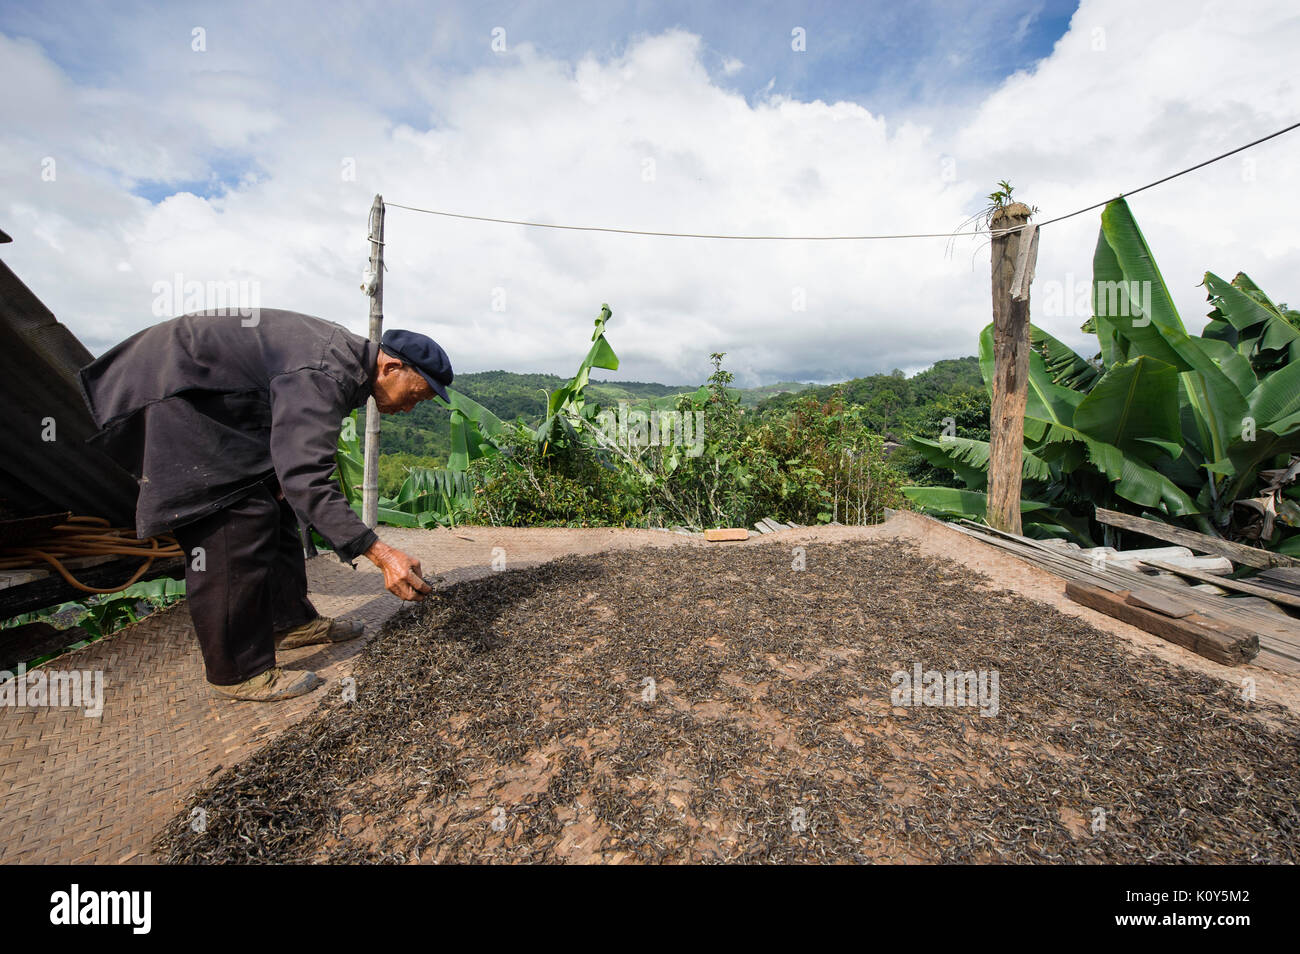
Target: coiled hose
(89, 536)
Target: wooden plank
(1159, 602)
(1236, 552)
(21, 532)
(1213, 565)
(773, 525)
(1259, 603)
(1276, 585)
(10, 578)
(1285, 599)
(761, 527)
(1268, 659)
(1059, 544)
(1212, 639)
(1285, 576)
(1155, 553)
(726, 533)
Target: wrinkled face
(398, 387)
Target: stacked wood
(1278, 635)
(1169, 619)
(1281, 579)
(1178, 556)
(1240, 586)
(1236, 552)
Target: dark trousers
(251, 582)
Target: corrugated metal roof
(39, 359)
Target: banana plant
(428, 497)
(567, 410)
(1162, 422)
(474, 430)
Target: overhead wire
(833, 238)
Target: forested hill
(507, 394)
(510, 395)
(893, 403)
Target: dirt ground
(740, 703)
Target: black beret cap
(422, 353)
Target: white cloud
(645, 139)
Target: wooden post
(370, 475)
(1011, 362)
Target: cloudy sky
(146, 143)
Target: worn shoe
(322, 629)
(272, 685)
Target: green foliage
(829, 465)
(426, 497)
(894, 405)
(711, 482)
(102, 614)
(962, 414)
(817, 462)
(811, 458)
(425, 432)
(1164, 423)
(999, 199)
(566, 487)
(567, 408)
(394, 468)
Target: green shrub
(521, 488)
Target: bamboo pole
(1011, 364)
(370, 474)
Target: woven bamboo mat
(79, 789)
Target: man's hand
(401, 573)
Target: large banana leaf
(567, 401)
(1259, 323)
(473, 429)
(1267, 445)
(1050, 419)
(1233, 363)
(1276, 397)
(1158, 332)
(1132, 479)
(1041, 519)
(349, 460)
(427, 497)
(1171, 422)
(968, 503)
(1121, 264)
(969, 459)
(1046, 400)
(424, 481)
(1134, 407)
